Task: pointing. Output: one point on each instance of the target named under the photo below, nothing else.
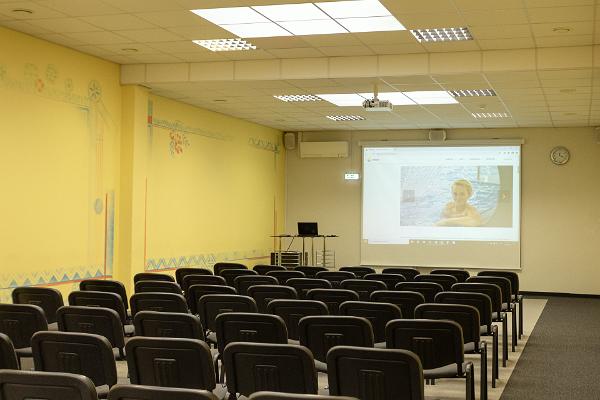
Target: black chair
(265, 293)
(303, 285)
(408, 272)
(332, 298)
(181, 273)
(89, 298)
(363, 287)
(19, 322)
(150, 301)
(222, 266)
(242, 283)
(309, 270)
(170, 362)
(152, 276)
(97, 285)
(390, 280)
(335, 277)
(283, 276)
(427, 289)
(8, 357)
(294, 396)
(231, 274)
(378, 314)
(375, 374)
(96, 320)
(406, 300)
(517, 297)
(23, 385)
(48, 299)
(139, 392)
(262, 269)
(157, 287)
(193, 279)
(468, 319)
(76, 353)
(211, 305)
(249, 327)
(165, 324)
(445, 280)
(439, 345)
(359, 270)
(255, 367)
(460, 274)
(195, 292)
(293, 310)
(321, 333)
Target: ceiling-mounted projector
(377, 105)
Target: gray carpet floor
(562, 357)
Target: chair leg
(433, 382)
(514, 330)
(121, 354)
(504, 340)
(520, 317)
(483, 382)
(494, 355)
(470, 382)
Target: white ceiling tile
(118, 22)
(335, 51)
(501, 31)
(422, 21)
(61, 25)
(247, 55)
(154, 58)
(449, 47)
(576, 28)
(503, 44)
(62, 39)
(151, 35)
(302, 52)
(201, 32)
(180, 46)
(400, 7)
(408, 48)
(79, 8)
(395, 37)
(563, 41)
(101, 37)
(560, 14)
(118, 48)
(495, 17)
(332, 40)
(26, 27)
(467, 5)
(145, 5)
(280, 42)
(39, 10)
(557, 3)
(168, 19)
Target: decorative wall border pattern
(204, 260)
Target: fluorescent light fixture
(472, 93)
(396, 98)
(354, 8)
(230, 15)
(340, 118)
(297, 97)
(266, 29)
(225, 44)
(317, 27)
(490, 115)
(442, 34)
(344, 100)
(292, 12)
(431, 97)
(371, 24)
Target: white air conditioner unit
(323, 149)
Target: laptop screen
(308, 229)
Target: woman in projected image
(459, 212)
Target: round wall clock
(560, 155)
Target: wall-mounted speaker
(289, 140)
(437, 135)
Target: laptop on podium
(308, 229)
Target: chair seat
(495, 316)
(102, 391)
(24, 352)
(129, 330)
(447, 371)
(321, 366)
(483, 330)
(469, 347)
(211, 337)
(380, 345)
(293, 341)
(53, 326)
(506, 307)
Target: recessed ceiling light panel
(490, 115)
(354, 9)
(261, 29)
(297, 97)
(442, 34)
(230, 15)
(292, 12)
(371, 24)
(431, 97)
(472, 93)
(344, 99)
(340, 118)
(225, 44)
(316, 27)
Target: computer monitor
(308, 229)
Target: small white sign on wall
(352, 176)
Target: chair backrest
(408, 272)
(194, 293)
(503, 283)
(262, 269)
(390, 280)
(512, 276)
(363, 287)
(222, 266)
(8, 357)
(332, 298)
(211, 305)
(438, 343)
(181, 273)
(295, 396)
(21, 385)
(96, 320)
(153, 301)
(494, 292)
(249, 327)
(378, 314)
(166, 324)
(252, 367)
(48, 299)
(480, 301)
(265, 293)
(139, 392)
(283, 276)
(335, 277)
(321, 333)
(170, 362)
(445, 280)
(20, 321)
(427, 289)
(157, 287)
(89, 298)
(375, 374)
(75, 353)
(406, 300)
(293, 310)
(242, 283)
(309, 270)
(98, 285)
(466, 316)
(359, 270)
(195, 279)
(231, 274)
(460, 274)
(303, 285)
(152, 276)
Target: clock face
(559, 155)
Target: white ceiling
(161, 31)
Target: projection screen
(452, 206)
